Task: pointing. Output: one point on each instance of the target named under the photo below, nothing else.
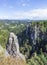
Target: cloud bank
(32, 14)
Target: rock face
(3, 52)
(1, 49)
(12, 46)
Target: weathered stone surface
(1, 49)
(12, 46)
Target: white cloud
(36, 13)
(23, 4)
(3, 17)
(32, 14)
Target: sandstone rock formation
(12, 46)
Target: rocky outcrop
(1, 49)
(12, 46)
(7, 59)
(3, 52)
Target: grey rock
(12, 46)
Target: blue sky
(23, 9)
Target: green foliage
(3, 37)
(25, 46)
(37, 60)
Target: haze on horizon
(23, 9)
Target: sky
(23, 9)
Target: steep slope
(11, 61)
(6, 59)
